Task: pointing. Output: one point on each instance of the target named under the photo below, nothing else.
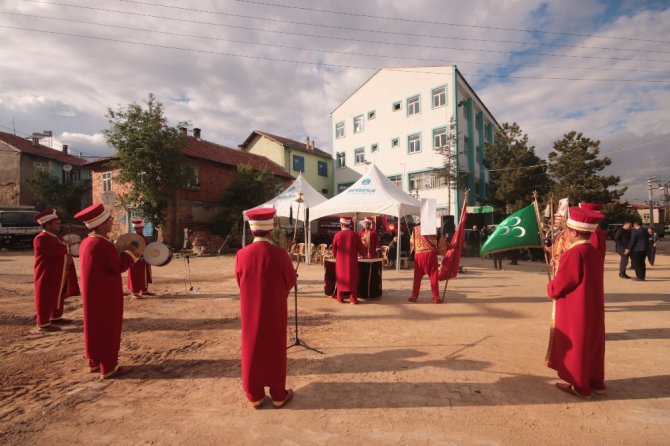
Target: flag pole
(463, 209)
(552, 222)
(540, 226)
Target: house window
(425, 180)
(358, 124)
(342, 187)
(359, 155)
(339, 130)
(414, 143)
(40, 165)
(439, 97)
(440, 137)
(396, 106)
(374, 147)
(413, 105)
(395, 142)
(71, 176)
(372, 115)
(106, 181)
(340, 160)
(396, 180)
(298, 163)
(322, 168)
(193, 178)
(324, 191)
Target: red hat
(585, 220)
(345, 219)
(261, 221)
(139, 223)
(591, 206)
(45, 216)
(367, 220)
(94, 215)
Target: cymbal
(125, 240)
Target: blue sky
(229, 67)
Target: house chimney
(65, 149)
(36, 141)
(183, 130)
(312, 144)
(196, 133)
(307, 143)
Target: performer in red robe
(598, 237)
(577, 341)
(139, 275)
(54, 273)
(426, 248)
(265, 276)
(346, 248)
(370, 239)
(102, 291)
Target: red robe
(346, 248)
(577, 342)
(599, 241)
(426, 248)
(55, 277)
(102, 290)
(370, 251)
(265, 276)
(139, 275)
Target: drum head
(157, 254)
(71, 239)
(126, 240)
(74, 250)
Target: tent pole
(308, 238)
(398, 246)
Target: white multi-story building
(398, 117)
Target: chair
(299, 252)
(320, 253)
(384, 255)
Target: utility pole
(650, 185)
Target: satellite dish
(67, 167)
(108, 197)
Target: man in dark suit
(637, 249)
(621, 240)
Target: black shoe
(61, 321)
(639, 279)
(624, 276)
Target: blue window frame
(298, 163)
(322, 168)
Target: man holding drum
(265, 275)
(347, 246)
(102, 292)
(54, 272)
(139, 275)
(370, 239)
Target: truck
(18, 226)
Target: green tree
(575, 164)
(449, 172)
(50, 192)
(515, 170)
(248, 189)
(150, 157)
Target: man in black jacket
(637, 249)
(621, 240)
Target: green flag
(519, 230)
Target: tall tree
(445, 145)
(515, 170)
(150, 157)
(575, 164)
(50, 192)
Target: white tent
(372, 194)
(286, 206)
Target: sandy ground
(467, 372)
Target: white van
(17, 226)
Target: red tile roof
(301, 146)
(26, 146)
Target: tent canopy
(284, 201)
(372, 194)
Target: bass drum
(74, 250)
(157, 254)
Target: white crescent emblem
(518, 220)
(522, 231)
(506, 228)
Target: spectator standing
(637, 249)
(653, 241)
(621, 240)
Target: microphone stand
(296, 339)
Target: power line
(429, 22)
(346, 53)
(377, 42)
(321, 64)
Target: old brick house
(21, 157)
(215, 166)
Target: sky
(233, 66)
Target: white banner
(428, 216)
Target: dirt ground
(470, 371)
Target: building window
(106, 181)
(413, 105)
(396, 106)
(339, 130)
(358, 124)
(414, 143)
(40, 165)
(439, 137)
(374, 147)
(372, 115)
(298, 163)
(193, 178)
(439, 96)
(322, 168)
(425, 180)
(395, 142)
(342, 187)
(324, 191)
(72, 176)
(340, 160)
(396, 180)
(359, 155)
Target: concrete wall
(10, 169)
